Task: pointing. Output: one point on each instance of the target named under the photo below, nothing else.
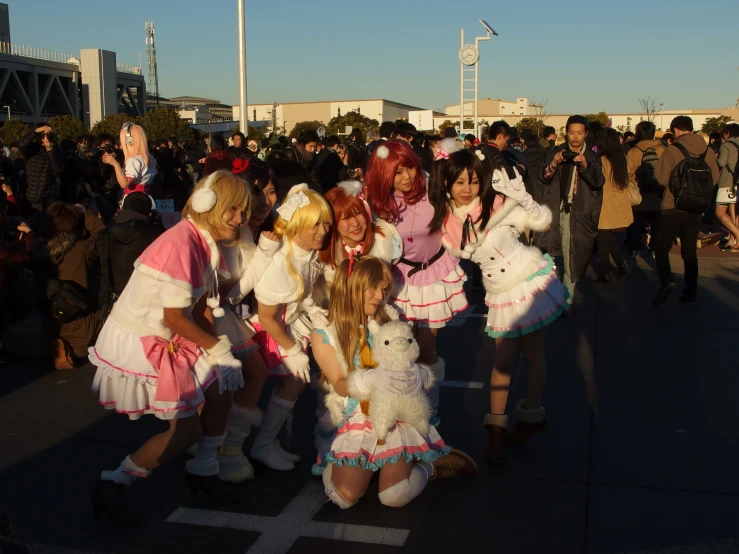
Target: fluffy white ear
(373, 326)
(297, 188)
(352, 188)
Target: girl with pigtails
(351, 453)
(158, 352)
(481, 208)
(286, 314)
(427, 280)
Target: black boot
(216, 490)
(110, 498)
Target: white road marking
(278, 534)
(463, 384)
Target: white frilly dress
(142, 368)
(523, 293)
(246, 261)
(277, 287)
(344, 434)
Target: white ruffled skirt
(240, 333)
(126, 381)
(431, 305)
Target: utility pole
(151, 58)
(243, 107)
(274, 117)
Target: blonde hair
(304, 218)
(346, 309)
(230, 193)
(140, 146)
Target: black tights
(607, 246)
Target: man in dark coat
(574, 176)
(45, 162)
(329, 164)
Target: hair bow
(292, 203)
(441, 155)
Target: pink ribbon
(172, 360)
(441, 155)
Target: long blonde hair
(304, 218)
(230, 193)
(346, 309)
(140, 146)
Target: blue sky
(584, 56)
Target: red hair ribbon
(353, 253)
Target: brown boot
(454, 464)
(529, 423)
(497, 426)
(62, 352)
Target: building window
(254, 112)
(339, 112)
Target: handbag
(69, 300)
(634, 195)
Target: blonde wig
(346, 309)
(140, 146)
(304, 218)
(230, 193)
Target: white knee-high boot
(205, 463)
(439, 370)
(234, 465)
(265, 447)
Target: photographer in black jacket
(44, 163)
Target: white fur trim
(529, 416)
(222, 347)
(383, 152)
(353, 386)
(352, 188)
(543, 221)
(203, 200)
(373, 326)
(497, 420)
(382, 247)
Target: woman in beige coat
(616, 213)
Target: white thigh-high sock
(126, 473)
(406, 490)
(205, 463)
(240, 420)
(331, 491)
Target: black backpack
(647, 171)
(691, 183)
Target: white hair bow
(292, 203)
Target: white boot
(439, 370)
(265, 447)
(234, 466)
(205, 463)
(289, 456)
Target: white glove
(228, 368)
(391, 312)
(297, 362)
(318, 316)
(363, 382)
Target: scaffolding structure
(151, 58)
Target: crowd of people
(289, 259)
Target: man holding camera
(575, 172)
(44, 163)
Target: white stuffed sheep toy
(394, 348)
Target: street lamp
(8, 108)
(243, 109)
(469, 55)
(661, 116)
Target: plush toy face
(394, 344)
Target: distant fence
(128, 68)
(37, 53)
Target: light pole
(661, 116)
(8, 108)
(243, 108)
(469, 55)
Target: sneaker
(661, 297)
(454, 464)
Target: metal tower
(151, 58)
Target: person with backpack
(728, 162)
(688, 173)
(643, 158)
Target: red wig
(346, 205)
(379, 178)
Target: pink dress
(427, 281)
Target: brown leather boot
(529, 423)
(62, 352)
(497, 426)
(454, 464)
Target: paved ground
(640, 454)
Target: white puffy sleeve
(539, 217)
(276, 286)
(256, 264)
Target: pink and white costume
(432, 294)
(142, 368)
(523, 291)
(247, 262)
(278, 287)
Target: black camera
(51, 137)
(568, 156)
(108, 148)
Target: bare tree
(649, 107)
(540, 107)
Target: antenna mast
(151, 58)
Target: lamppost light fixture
(488, 28)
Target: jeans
(607, 248)
(636, 229)
(564, 228)
(686, 226)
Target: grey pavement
(640, 454)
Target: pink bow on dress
(172, 360)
